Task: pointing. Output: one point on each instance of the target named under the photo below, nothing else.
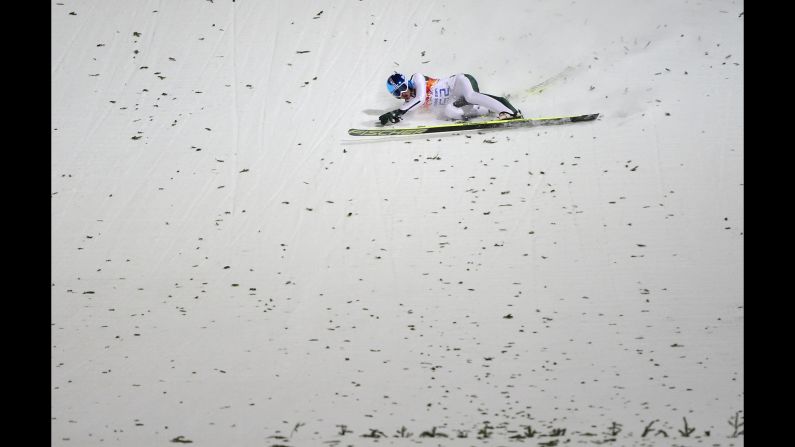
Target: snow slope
(229, 267)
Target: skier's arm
(418, 81)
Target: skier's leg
(505, 103)
(473, 81)
(473, 110)
(452, 112)
(465, 87)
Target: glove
(393, 116)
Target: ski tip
(590, 117)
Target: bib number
(441, 95)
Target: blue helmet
(397, 84)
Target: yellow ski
(471, 125)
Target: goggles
(400, 89)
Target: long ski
(470, 125)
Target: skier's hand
(393, 116)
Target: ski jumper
(458, 96)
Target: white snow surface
(229, 267)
